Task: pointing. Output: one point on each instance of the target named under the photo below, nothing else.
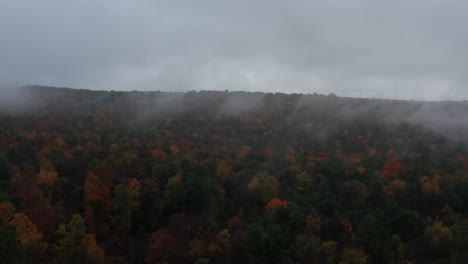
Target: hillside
(230, 177)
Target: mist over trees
(229, 177)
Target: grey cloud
(388, 49)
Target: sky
(396, 49)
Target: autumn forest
(230, 177)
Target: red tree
(165, 249)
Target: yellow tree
(28, 235)
(47, 179)
(134, 188)
(439, 236)
(303, 181)
(353, 256)
(265, 186)
(7, 211)
(71, 235)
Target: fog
(17, 99)
(135, 108)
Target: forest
(230, 177)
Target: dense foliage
(226, 177)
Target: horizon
(312, 93)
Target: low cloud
(386, 49)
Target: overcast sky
(408, 49)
